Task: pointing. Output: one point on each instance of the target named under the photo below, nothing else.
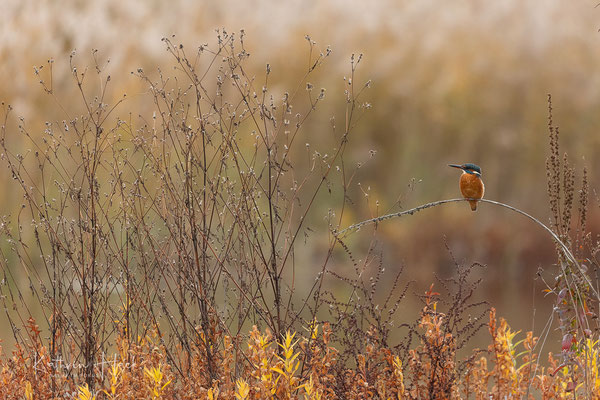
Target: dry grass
(449, 85)
(266, 368)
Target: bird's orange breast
(471, 186)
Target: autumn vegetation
(160, 255)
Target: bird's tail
(473, 204)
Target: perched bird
(471, 185)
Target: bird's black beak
(455, 166)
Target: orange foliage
(307, 368)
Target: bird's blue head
(468, 168)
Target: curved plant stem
(565, 249)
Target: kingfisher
(471, 185)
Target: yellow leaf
(84, 393)
(28, 391)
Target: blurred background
(456, 82)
